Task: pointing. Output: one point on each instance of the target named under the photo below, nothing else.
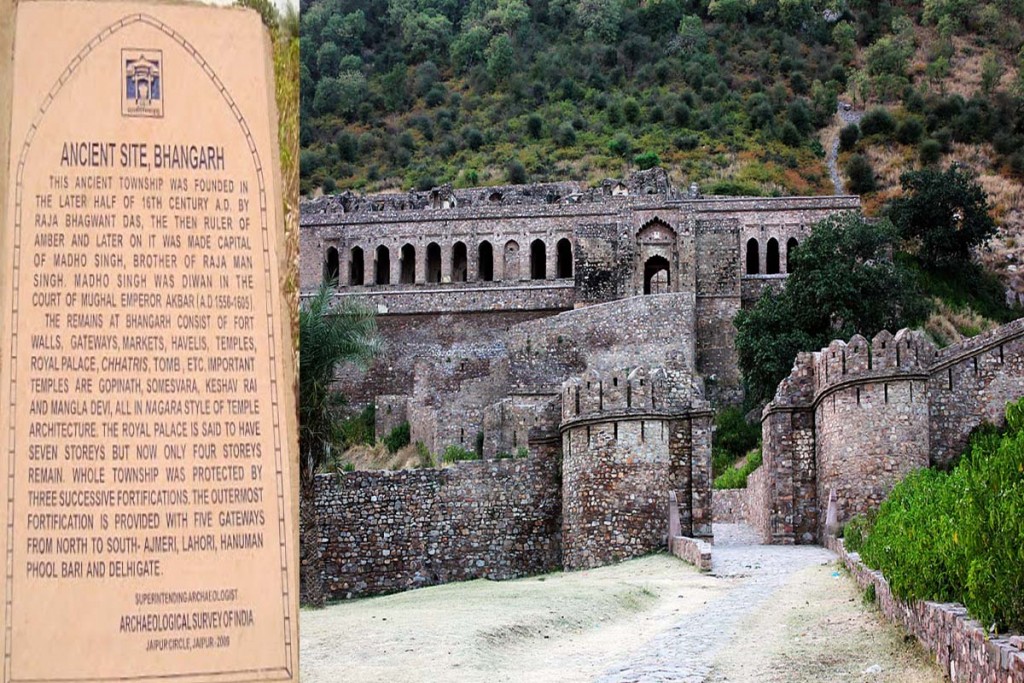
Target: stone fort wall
(383, 532)
(855, 418)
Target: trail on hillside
(846, 117)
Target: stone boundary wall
(729, 506)
(382, 532)
(693, 551)
(557, 295)
(959, 644)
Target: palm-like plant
(329, 336)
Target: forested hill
(738, 95)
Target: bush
(856, 530)
(358, 429)
(733, 438)
(522, 452)
(909, 131)
(848, 137)
(646, 160)
(455, 453)
(736, 477)
(516, 173)
(958, 536)
(878, 121)
(426, 459)
(929, 152)
(860, 173)
(397, 438)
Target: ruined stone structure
(856, 417)
(590, 326)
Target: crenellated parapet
(841, 363)
(629, 436)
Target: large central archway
(657, 275)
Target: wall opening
(790, 248)
(753, 257)
(460, 263)
(331, 265)
(538, 260)
(564, 249)
(657, 278)
(383, 266)
(408, 258)
(355, 267)
(511, 260)
(485, 257)
(771, 265)
(433, 262)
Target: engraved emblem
(142, 83)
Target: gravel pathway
(847, 116)
(685, 652)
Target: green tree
(728, 11)
(861, 175)
(842, 282)
(946, 213)
(601, 19)
(991, 72)
(692, 37)
(329, 336)
(500, 57)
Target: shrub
(878, 121)
(455, 453)
(426, 459)
(958, 536)
(733, 438)
(736, 477)
(620, 146)
(646, 160)
(358, 429)
(516, 173)
(856, 530)
(397, 438)
(909, 131)
(848, 137)
(860, 173)
(522, 452)
(929, 152)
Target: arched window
(383, 266)
(564, 248)
(408, 257)
(538, 260)
(511, 260)
(657, 278)
(459, 262)
(790, 246)
(771, 260)
(485, 257)
(331, 268)
(355, 267)
(753, 257)
(433, 262)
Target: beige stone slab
(146, 383)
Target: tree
(842, 282)
(329, 336)
(860, 173)
(692, 37)
(945, 212)
(848, 137)
(500, 57)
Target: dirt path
(844, 117)
(767, 613)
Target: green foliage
(869, 594)
(522, 452)
(348, 467)
(398, 437)
(929, 152)
(515, 172)
(330, 335)
(877, 121)
(358, 429)
(856, 530)
(842, 282)
(647, 160)
(945, 213)
(736, 477)
(909, 131)
(425, 456)
(455, 453)
(733, 438)
(960, 536)
(848, 137)
(861, 174)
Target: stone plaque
(146, 400)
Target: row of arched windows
(459, 266)
(771, 261)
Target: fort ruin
(594, 328)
